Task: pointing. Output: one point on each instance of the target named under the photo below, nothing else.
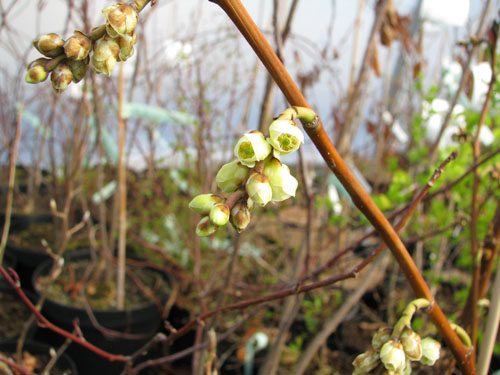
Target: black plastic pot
(144, 320)
(19, 222)
(36, 348)
(27, 259)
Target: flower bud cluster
(393, 349)
(396, 354)
(255, 176)
(68, 60)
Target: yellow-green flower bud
(258, 189)
(50, 45)
(78, 68)
(231, 176)
(411, 344)
(240, 216)
(219, 214)
(78, 46)
(283, 184)
(203, 203)
(61, 77)
(36, 74)
(106, 52)
(367, 361)
(430, 351)
(205, 227)
(252, 147)
(381, 337)
(121, 18)
(285, 136)
(393, 356)
(37, 71)
(127, 42)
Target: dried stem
(122, 192)
(12, 178)
(361, 199)
(472, 316)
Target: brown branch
(47, 324)
(471, 315)
(361, 199)
(12, 178)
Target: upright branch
(12, 176)
(361, 199)
(471, 310)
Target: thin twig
(12, 177)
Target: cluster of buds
(68, 60)
(256, 177)
(394, 349)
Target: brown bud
(51, 45)
(78, 46)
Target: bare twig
(12, 177)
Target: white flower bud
(252, 147)
(219, 214)
(121, 18)
(283, 184)
(366, 361)
(285, 136)
(430, 351)
(205, 227)
(381, 337)
(231, 176)
(411, 344)
(203, 203)
(393, 356)
(258, 189)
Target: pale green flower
(231, 176)
(283, 184)
(285, 136)
(258, 189)
(252, 147)
(203, 203)
(393, 356)
(430, 351)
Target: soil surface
(99, 288)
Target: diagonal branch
(361, 199)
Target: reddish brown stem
(361, 199)
(47, 324)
